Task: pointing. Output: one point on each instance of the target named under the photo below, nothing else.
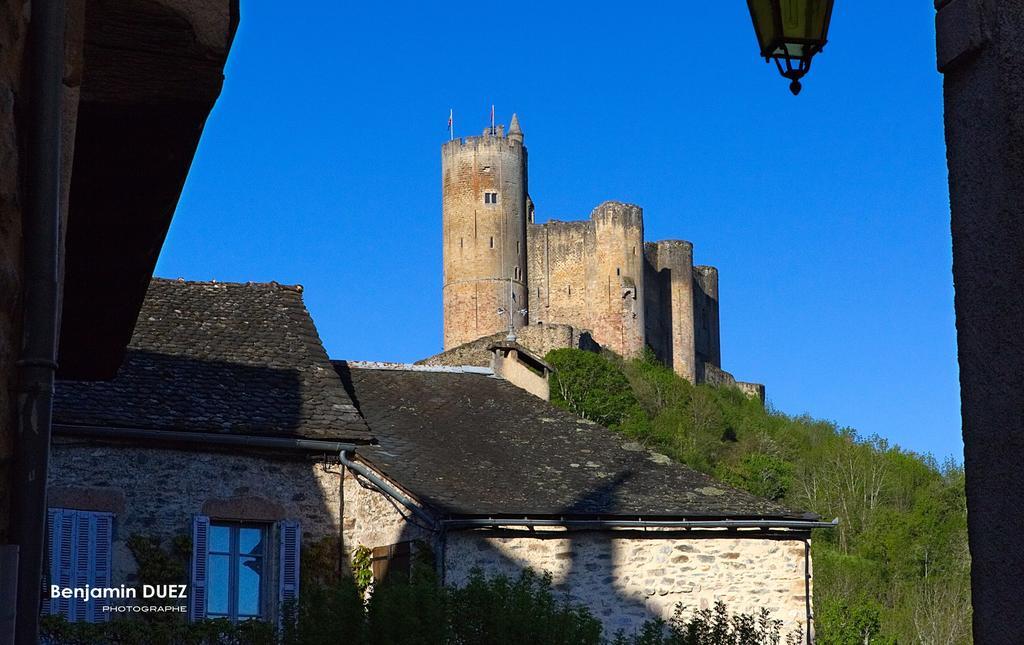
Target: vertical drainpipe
(807, 591)
(37, 364)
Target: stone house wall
(373, 519)
(154, 492)
(626, 578)
(15, 113)
(12, 40)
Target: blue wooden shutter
(83, 548)
(53, 536)
(288, 580)
(101, 529)
(200, 557)
(65, 560)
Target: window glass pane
(217, 584)
(250, 541)
(220, 539)
(249, 573)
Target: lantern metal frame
(784, 60)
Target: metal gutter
(805, 525)
(346, 460)
(405, 500)
(207, 438)
(37, 363)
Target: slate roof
(220, 357)
(471, 444)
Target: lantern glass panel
(763, 14)
(804, 19)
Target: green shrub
(590, 386)
(713, 627)
(520, 610)
(761, 474)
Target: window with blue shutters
(231, 568)
(288, 582)
(79, 556)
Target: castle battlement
(481, 141)
(596, 274)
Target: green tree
(590, 386)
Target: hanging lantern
(791, 32)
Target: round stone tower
(484, 199)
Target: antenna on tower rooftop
(512, 311)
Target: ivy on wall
(362, 568)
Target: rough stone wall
(12, 42)
(980, 48)
(752, 390)
(627, 578)
(672, 262)
(538, 338)
(161, 489)
(372, 519)
(707, 343)
(590, 274)
(15, 112)
(484, 244)
(714, 375)
(616, 281)
(560, 254)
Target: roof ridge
(273, 284)
(411, 367)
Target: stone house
(228, 424)
(224, 424)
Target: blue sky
(826, 214)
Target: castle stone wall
(596, 275)
(616, 286)
(705, 309)
(590, 274)
(484, 241)
(672, 260)
(559, 254)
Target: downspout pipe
(37, 364)
(390, 490)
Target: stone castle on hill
(596, 276)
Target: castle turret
(616, 285)
(515, 133)
(670, 316)
(707, 341)
(484, 211)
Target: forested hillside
(896, 568)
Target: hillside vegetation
(896, 568)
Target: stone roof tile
(220, 357)
(466, 443)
